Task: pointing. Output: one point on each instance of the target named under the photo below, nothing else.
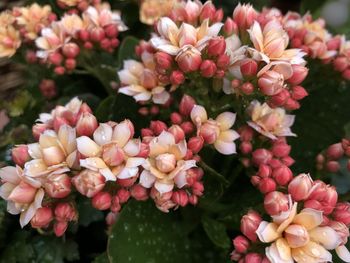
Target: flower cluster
(105, 162)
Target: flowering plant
(177, 141)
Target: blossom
(216, 131)
(272, 41)
(23, 195)
(165, 165)
(112, 152)
(173, 40)
(10, 39)
(71, 24)
(298, 236)
(272, 123)
(187, 11)
(141, 82)
(152, 10)
(70, 3)
(55, 153)
(33, 18)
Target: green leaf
(88, 214)
(18, 249)
(216, 232)
(127, 49)
(102, 258)
(143, 234)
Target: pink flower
(23, 195)
(270, 122)
(88, 182)
(9, 37)
(165, 165)
(244, 16)
(216, 131)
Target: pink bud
(219, 15)
(264, 170)
(139, 192)
(249, 224)
(145, 132)
(249, 67)
(271, 83)
(314, 204)
(148, 79)
(342, 213)
(178, 133)
(230, 27)
(244, 16)
(280, 98)
(275, 203)
(55, 58)
(112, 154)
(20, 155)
(333, 43)
(31, 57)
(60, 228)
(70, 64)
(175, 118)
(246, 133)
(299, 74)
(198, 188)
(207, 12)
(86, 124)
(88, 182)
(267, 185)
(246, 147)
(255, 180)
(48, 88)
(187, 127)
(223, 61)
(111, 218)
(157, 127)
(280, 149)
(241, 244)
(111, 31)
(180, 197)
(71, 50)
(332, 166)
(247, 88)
(42, 218)
(127, 182)
(193, 200)
(282, 175)
(102, 201)
(186, 105)
(84, 35)
(210, 131)
(341, 229)
(38, 129)
(335, 151)
(177, 77)
(123, 195)
(208, 68)
(58, 185)
(163, 60)
(216, 46)
(261, 156)
(340, 64)
(115, 204)
(65, 212)
(291, 104)
(253, 258)
(346, 74)
(298, 93)
(299, 188)
(189, 60)
(97, 34)
(105, 44)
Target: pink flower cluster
(105, 162)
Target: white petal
(181, 180)
(163, 188)
(147, 179)
(226, 120)
(34, 150)
(28, 214)
(326, 236)
(199, 114)
(132, 148)
(343, 253)
(107, 173)
(225, 148)
(128, 172)
(121, 134)
(9, 174)
(87, 147)
(103, 134)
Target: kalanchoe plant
(194, 140)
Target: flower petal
(309, 218)
(226, 120)
(267, 232)
(147, 179)
(343, 253)
(326, 236)
(88, 147)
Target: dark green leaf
(127, 49)
(88, 214)
(216, 231)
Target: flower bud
(180, 198)
(123, 195)
(261, 156)
(70, 50)
(296, 236)
(111, 218)
(189, 59)
(102, 201)
(280, 149)
(244, 16)
(195, 144)
(198, 188)
(97, 34)
(188, 127)
(70, 64)
(60, 228)
(193, 200)
(115, 204)
(158, 127)
(346, 74)
(241, 244)
(186, 105)
(340, 64)
(178, 133)
(300, 187)
(139, 192)
(335, 151)
(342, 231)
(249, 67)
(20, 155)
(165, 162)
(264, 170)
(176, 118)
(280, 98)
(299, 74)
(246, 147)
(48, 88)
(332, 166)
(271, 83)
(298, 93)
(207, 12)
(253, 258)
(65, 212)
(163, 60)
(88, 182)
(249, 224)
(55, 58)
(216, 46)
(127, 182)
(282, 175)
(86, 124)
(275, 202)
(112, 154)
(208, 68)
(177, 77)
(267, 185)
(210, 131)
(42, 218)
(230, 27)
(111, 31)
(342, 213)
(291, 104)
(58, 185)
